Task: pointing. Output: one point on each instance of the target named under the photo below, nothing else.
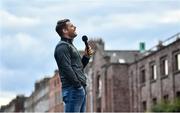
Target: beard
(73, 35)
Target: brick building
(16, 105)
(108, 89)
(47, 96)
(55, 97)
(155, 76)
(39, 99)
(120, 81)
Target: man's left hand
(89, 52)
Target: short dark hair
(61, 24)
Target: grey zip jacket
(70, 64)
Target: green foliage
(167, 106)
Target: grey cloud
(22, 51)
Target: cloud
(170, 17)
(18, 80)
(24, 60)
(23, 51)
(133, 20)
(11, 20)
(28, 37)
(123, 25)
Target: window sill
(153, 81)
(142, 84)
(176, 72)
(164, 76)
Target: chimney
(37, 86)
(56, 71)
(107, 59)
(160, 45)
(142, 47)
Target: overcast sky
(28, 38)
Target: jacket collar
(67, 40)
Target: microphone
(85, 39)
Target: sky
(28, 37)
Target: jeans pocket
(79, 88)
(65, 99)
(65, 95)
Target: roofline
(122, 51)
(155, 52)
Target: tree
(165, 106)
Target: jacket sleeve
(63, 59)
(85, 61)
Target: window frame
(163, 65)
(175, 62)
(153, 71)
(142, 76)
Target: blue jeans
(74, 99)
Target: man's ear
(64, 30)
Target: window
(176, 61)
(166, 98)
(154, 101)
(132, 73)
(153, 70)
(57, 97)
(57, 80)
(142, 75)
(121, 61)
(164, 66)
(144, 106)
(178, 94)
(60, 97)
(54, 83)
(99, 93)
(99, 86)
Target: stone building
(122, 81)
(16, 105)
(155, 76)
(39, 99)
(108, 89)
(55, 94)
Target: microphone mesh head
(84, 38)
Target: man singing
(71, 67)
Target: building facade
(155, 77)
(123, 81)
(108, 89)
(55, 94)
(39, 99)
(16, 105)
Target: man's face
(71, 30)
